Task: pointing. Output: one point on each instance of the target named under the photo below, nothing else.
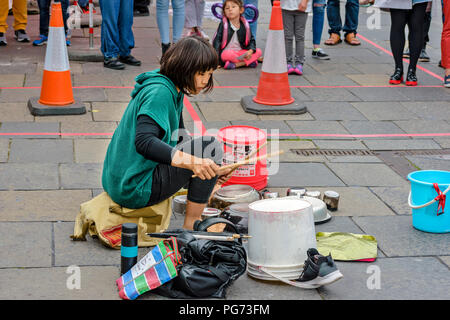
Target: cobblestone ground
(45, 177)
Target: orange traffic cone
(273, 95)
(56, 90)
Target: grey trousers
(194, 11)
(294, 23)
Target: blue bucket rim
(426, 183)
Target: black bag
(208, 266)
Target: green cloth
(346, 246)
(127, 175)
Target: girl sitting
(234, 41)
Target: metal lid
(235, 191)
(331, 194)
(129, 228)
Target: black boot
(164, 47)
(411, 79)
(397, 77)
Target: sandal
(350, 38)
(334, 39)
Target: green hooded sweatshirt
(127, 175)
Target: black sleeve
(148, 141)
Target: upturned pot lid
(235, 191)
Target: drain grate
(333, 152)
(433, 152)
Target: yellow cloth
(103, 218)
(346, 246)
(19, 8)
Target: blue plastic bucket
(422, 192)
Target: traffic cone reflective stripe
(56, 87)
(273, 88)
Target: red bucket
(239, 142)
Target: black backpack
(208, 266)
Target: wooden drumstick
(252, 154)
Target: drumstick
(253, 153)
(247, 161)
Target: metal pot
(238, 214)
(236, 193)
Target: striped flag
(156, 268)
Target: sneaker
(424, 57)
(165, 47)
(397, 77)
(229, 65)
(447, 81)
(113, 63)
(440, 64)
(320, 54)
(201, 34)
(21, 36)
(253, 64)
(3, 39)
(318, 270)
(298, 69)
(406, 53)
(290, 69)
(411, 79)
(132, 61)
(41, 41)
(68, 42)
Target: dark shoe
(440, 64)
(142, 12)
(447, 81)
(132, 61)
(165, 47)
(424, 56)
(113, 63)
(411, 79)
(21, 36)
(3, 41)
(397, 77)
(320, 54)
(318, 270)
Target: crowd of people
(234, 39)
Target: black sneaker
(424, 57)
(130, 60)
(21, 36)
(320, 54)
(113, 63)
(3, 41)
(411, 78)
(318, 271)
(165, 47)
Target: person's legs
(318, 21)
(351, 16)
(299, 33)
(4, 5)
(167, 179)
(162, 20)
(288, 25)
(109, 31)
(125, 24)
(445, 43)
(65, 7)
(19, 8)
(44, 16)
(231, 55)
(397, 35)
(415, 25)
(178, 19)
(200, 9)
(334, 17)
(190, 14)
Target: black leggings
(167, 180)
(415, 20)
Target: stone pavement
(45, 178)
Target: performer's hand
(224, 176)
(205, 169)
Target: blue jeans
(318, 19)
(117, 34)
(44, 15)
(248, 14)
(162, 19)
(351, 16)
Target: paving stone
(443, 142)
(29, 176)
(334, 111)
(224, 77)
(427, 94)
(15, 96)
(289, 155)
(81, 175)
(217, 111)
(336, 144)
(434, 162)
(103, 129)
(118, 94)
(97, 79)
(25, 244)
(96, 283)
(17, 67)
(318, 128)
(406, 144)
(4, 150)
(52, 205)
(367, 174)
(423, 126)
(398, 238)
(429, 110)
(15, 112)
(12, 80)
(295, 174)
(335, 68)
(330, 94)
(378, 111)
(369, 79)
(354, 159)
(234, 94)
(372, 127)
(329, 80)
(280, 117)
(42, 151)
(374, 68)
(379, 94)
(108, 111)
(446, 260)
(30, 127)
(415, 278)
(395, 198)
(90, 94)
(271, 127)
(90, 150)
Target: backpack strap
(205, 224)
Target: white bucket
(281, 231)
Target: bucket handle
(426, 204)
